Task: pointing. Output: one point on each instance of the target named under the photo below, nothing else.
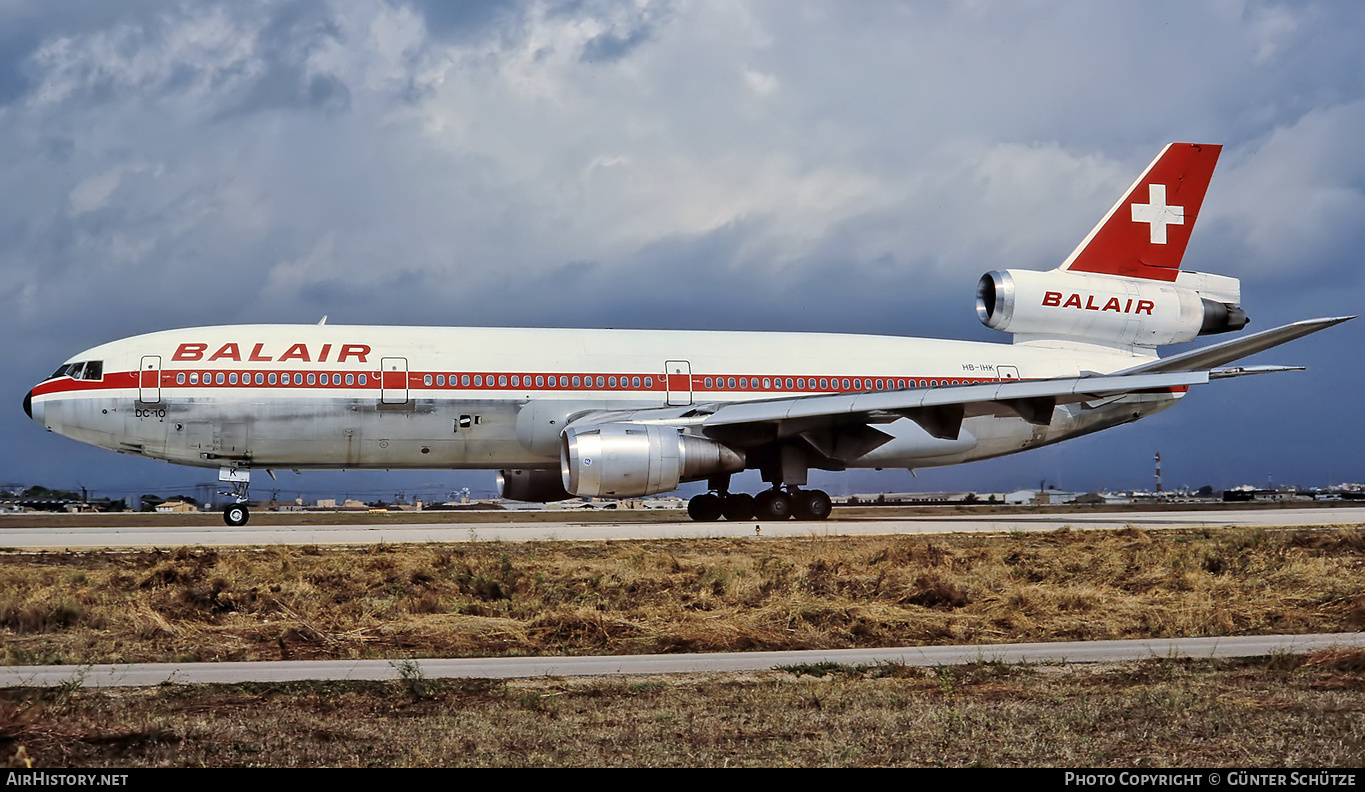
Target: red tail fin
(1145, 234)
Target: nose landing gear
(239, 479)
(236, 514)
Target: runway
(149, 534)
(152, 674)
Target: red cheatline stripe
(587, 382)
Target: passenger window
(577, 382)
(708, 382)
(180, 378)
(601, 382)
(232, 378)
(440, 380)
(218, 378)
(502, 380)
(540, 381)
(563, 382)
(361, 378)
(298, 379)
(464, 380)
(426, 380)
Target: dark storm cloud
(463, 20)
(614, 45)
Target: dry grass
(1278, 711)
(650, 596)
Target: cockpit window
(83, 370)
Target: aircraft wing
(939, 410)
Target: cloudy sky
(824, 166)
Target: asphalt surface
(149, 534)
(151, 674)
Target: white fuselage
(336, 396)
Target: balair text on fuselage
(358, 353)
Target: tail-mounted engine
(622, 460)
(1105, 309)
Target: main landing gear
(239, 479)
(770, 505)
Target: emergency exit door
(149, 380)
(393, 380)
(678, 381)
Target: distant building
(1041, 497)
(176, 507)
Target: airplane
(598, 413)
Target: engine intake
(622, 460)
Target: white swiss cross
(1157, 213)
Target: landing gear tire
(773, 505)
(236, 514)
(738, 506)
(704, 508)
(811, 505)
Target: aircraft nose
(30, 408)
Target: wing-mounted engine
(1105, 309)
(622, 460)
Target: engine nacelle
(1105, 309)
(533, 486)
(622, 460)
